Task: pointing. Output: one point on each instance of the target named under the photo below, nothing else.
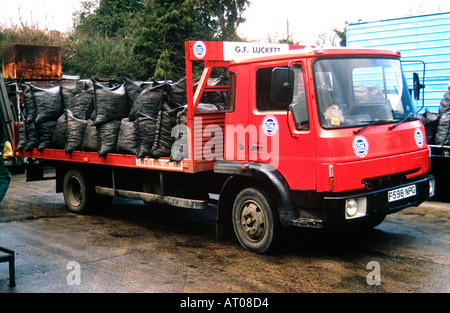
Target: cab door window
(263, 84)
(298, 106)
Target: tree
(341, 35)
(160, 32)
(101, 57)
(163, 26)
(221, 17)
(101, 37)
(110, 18)
(335, 38)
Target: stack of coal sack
(437, 125)
(139, 118)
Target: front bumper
(319, 210)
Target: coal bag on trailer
(127, 141)
(108, 135)
(76, 129)
(110, 104)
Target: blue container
(425, 38)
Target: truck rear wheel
(75, 191)
(255, 223)
(79, 193)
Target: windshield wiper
(371, 123)
(406, 119)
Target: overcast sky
(54, 14)
(309, 18)
(264, 18)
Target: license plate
(402, 193)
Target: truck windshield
(354, 92)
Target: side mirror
(281, 88)
(299, 112)
(417, 85)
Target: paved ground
(131, 247)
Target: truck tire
(75, 191)
(79, 194)
(255, 222)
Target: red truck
(313, 138)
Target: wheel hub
(252, 220)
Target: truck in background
(313, 138)
(424, 43)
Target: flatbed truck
(310, 137)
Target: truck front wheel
(255, 220)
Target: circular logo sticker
(199, 49)
(360, 146)
(418, 137)
(270, 125)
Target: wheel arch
(243, 175)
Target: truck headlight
(351, 207)
(355, 207)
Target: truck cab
(329, 137)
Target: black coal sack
(148, 102)
(108, 135)
(76, 129)
(48, 102)
(132, 90)
(127, 141)
(29, 105)
(444, 107)
(79, 99)
(45, 131)
(90, 140)
(60, 134)
(167, 120)
(443, 130)
(22, 142)
(110, 104)
(177, 92)
(179, 150)
(145, 128)
(32, 136)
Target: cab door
(284, 136)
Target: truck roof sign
(238, 50)
(233, 50)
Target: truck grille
(381, 182)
